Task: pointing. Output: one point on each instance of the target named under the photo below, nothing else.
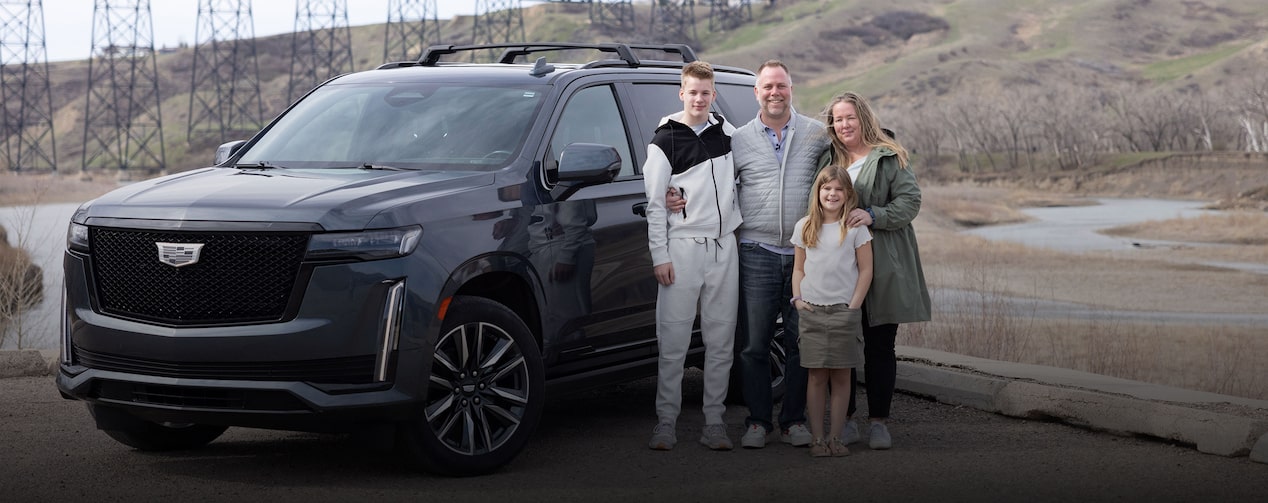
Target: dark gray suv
(429, 248)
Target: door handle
(640, 209)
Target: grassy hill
(904, 54)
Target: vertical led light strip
(391, 329)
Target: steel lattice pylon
(729, 14)
(224, 89)
(673, 21)
(25, 92)
(122, 118)
(321, 46)
(498, 22)
(613, 14)
(409, 30)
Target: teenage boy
(693, 253)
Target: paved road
(591, 447)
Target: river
(1075, 229)
(41, 230)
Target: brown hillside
(902, 52)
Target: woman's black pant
(880, 368)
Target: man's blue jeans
(765, 289)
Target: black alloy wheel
(484, 394)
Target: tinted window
(739, 101)
(591, 116)
(654, 101)
(418, 126)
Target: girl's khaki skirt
(831, 337)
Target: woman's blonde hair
(873, 135)
(810, 233)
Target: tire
(778, 360)
(484, 394)
(145, 435)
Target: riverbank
(1228, 358)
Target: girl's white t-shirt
(832, 270)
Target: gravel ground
(592, 446)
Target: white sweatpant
(706, 271)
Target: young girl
(831, 275)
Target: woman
(889, 199)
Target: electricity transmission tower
(498, 22)
(612, 14)
(673, 21)
(122, 120)
(321, 45)
(224, 89)
(729, 14)
(25, 97)
(408, 29)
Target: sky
(68, 23)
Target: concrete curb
(1088, 400)
(1027, 391)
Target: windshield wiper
(382, 167)
(258, 165)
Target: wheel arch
(506, 279)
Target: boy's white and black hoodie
(701, 168)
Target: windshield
(401, 125)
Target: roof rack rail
(431, 56)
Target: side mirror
(226, 150)
(582, 165)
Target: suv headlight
(366, 245)
(77, 237)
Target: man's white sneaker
(797, 435)
(754, 437)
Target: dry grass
(1218, 358)
(44, 188)
(1234, 228)
(20, 289)
(1228, 360)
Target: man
(776, 157)
(693, 253)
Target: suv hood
(334, 198)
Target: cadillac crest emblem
(179, 254)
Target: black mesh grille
(350, 370)
(239, 277)
(202, 398)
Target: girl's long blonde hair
(810, 233)
(873, 135)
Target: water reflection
(41, 230)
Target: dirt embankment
(1229, 180)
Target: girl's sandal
(820, 449)
(838, 448)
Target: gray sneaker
(879, 437)
(797, 435)
(851, 433)
(663, 437)
(754, 437)
(714, 437)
